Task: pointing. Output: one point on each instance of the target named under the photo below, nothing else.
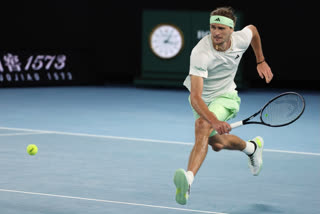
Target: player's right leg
(182, 186)
(183, 179)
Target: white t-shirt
(217, 68)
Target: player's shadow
(259, 208)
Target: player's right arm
(202, 109)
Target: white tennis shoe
(183, 187)
(255, 160)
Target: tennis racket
(282, 110)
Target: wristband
(261, 62)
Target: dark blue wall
(108, 35)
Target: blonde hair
(225, 11)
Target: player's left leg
(252, 148)
(227, 141)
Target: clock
(166, 41)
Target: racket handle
(236, 124)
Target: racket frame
(247, 121)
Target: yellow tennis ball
(32, 149)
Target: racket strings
(285, 109)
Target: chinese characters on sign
(35, 68)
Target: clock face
(166, 41)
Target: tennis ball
(32, 149)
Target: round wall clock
(166, 41)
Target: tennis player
(213, 97)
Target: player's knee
(202, 124)
(217, 142)
(217, 147)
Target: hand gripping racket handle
(236, 124)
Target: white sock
(190, 177)
(249, 150)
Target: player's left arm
(263, 68)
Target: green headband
(222, 20)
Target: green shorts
(225, 107)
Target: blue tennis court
(115, 149)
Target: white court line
(15, 134)
(108, 201)
(99, 136)
(292, 152)
(142, 139)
